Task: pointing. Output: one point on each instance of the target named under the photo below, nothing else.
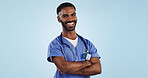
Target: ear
(58, 18)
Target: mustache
(70, 21)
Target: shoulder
(88, 42)
(55, 42)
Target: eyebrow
(70, 14)
(74, 13)
(64, 14)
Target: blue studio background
(118, 28)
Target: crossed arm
(91, 67)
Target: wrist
(87, 63)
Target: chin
(70, 29)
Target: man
(74, 56)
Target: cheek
(63, 20)
(75, 18)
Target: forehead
(67, 10)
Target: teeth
(71, 23)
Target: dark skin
(88, 68)
(68, 14)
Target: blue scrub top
(70, 54)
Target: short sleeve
(93, 51)
(54, 49)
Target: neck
(69, 34)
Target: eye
(65, 15)
(74, 14)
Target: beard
(68, 28)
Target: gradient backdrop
(118, 28)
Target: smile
(70, 24)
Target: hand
(60, 71)
(87, 63)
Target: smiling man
(73, 55)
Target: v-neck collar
(73, 42)
(65, 41)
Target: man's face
(67, 17)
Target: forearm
(91, 70)
(71, 67)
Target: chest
(74, 54)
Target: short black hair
(63, 5)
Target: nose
(70, 18)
